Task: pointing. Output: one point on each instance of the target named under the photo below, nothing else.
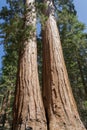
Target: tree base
(31, 126)
(55, 125)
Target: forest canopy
(47, 103)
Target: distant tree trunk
(82, 76)
(28, 108)
(3, 109)
(58, 99)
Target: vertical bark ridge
(57, 94)
(29, 111)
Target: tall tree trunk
(29, 112)
(58, 99)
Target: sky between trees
(81, 8)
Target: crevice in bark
(47, 119)
(28, 128)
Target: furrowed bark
(28, 111)
(58, 99)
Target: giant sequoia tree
(28, 111)
(59, 103)
(28, 107)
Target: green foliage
(8, 80)
(74, 43)
(41, 7)
(11, 30)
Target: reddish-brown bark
(58, 99)
(28, 111)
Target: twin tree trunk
(58, 99)
(28, 111)
(59, 104)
